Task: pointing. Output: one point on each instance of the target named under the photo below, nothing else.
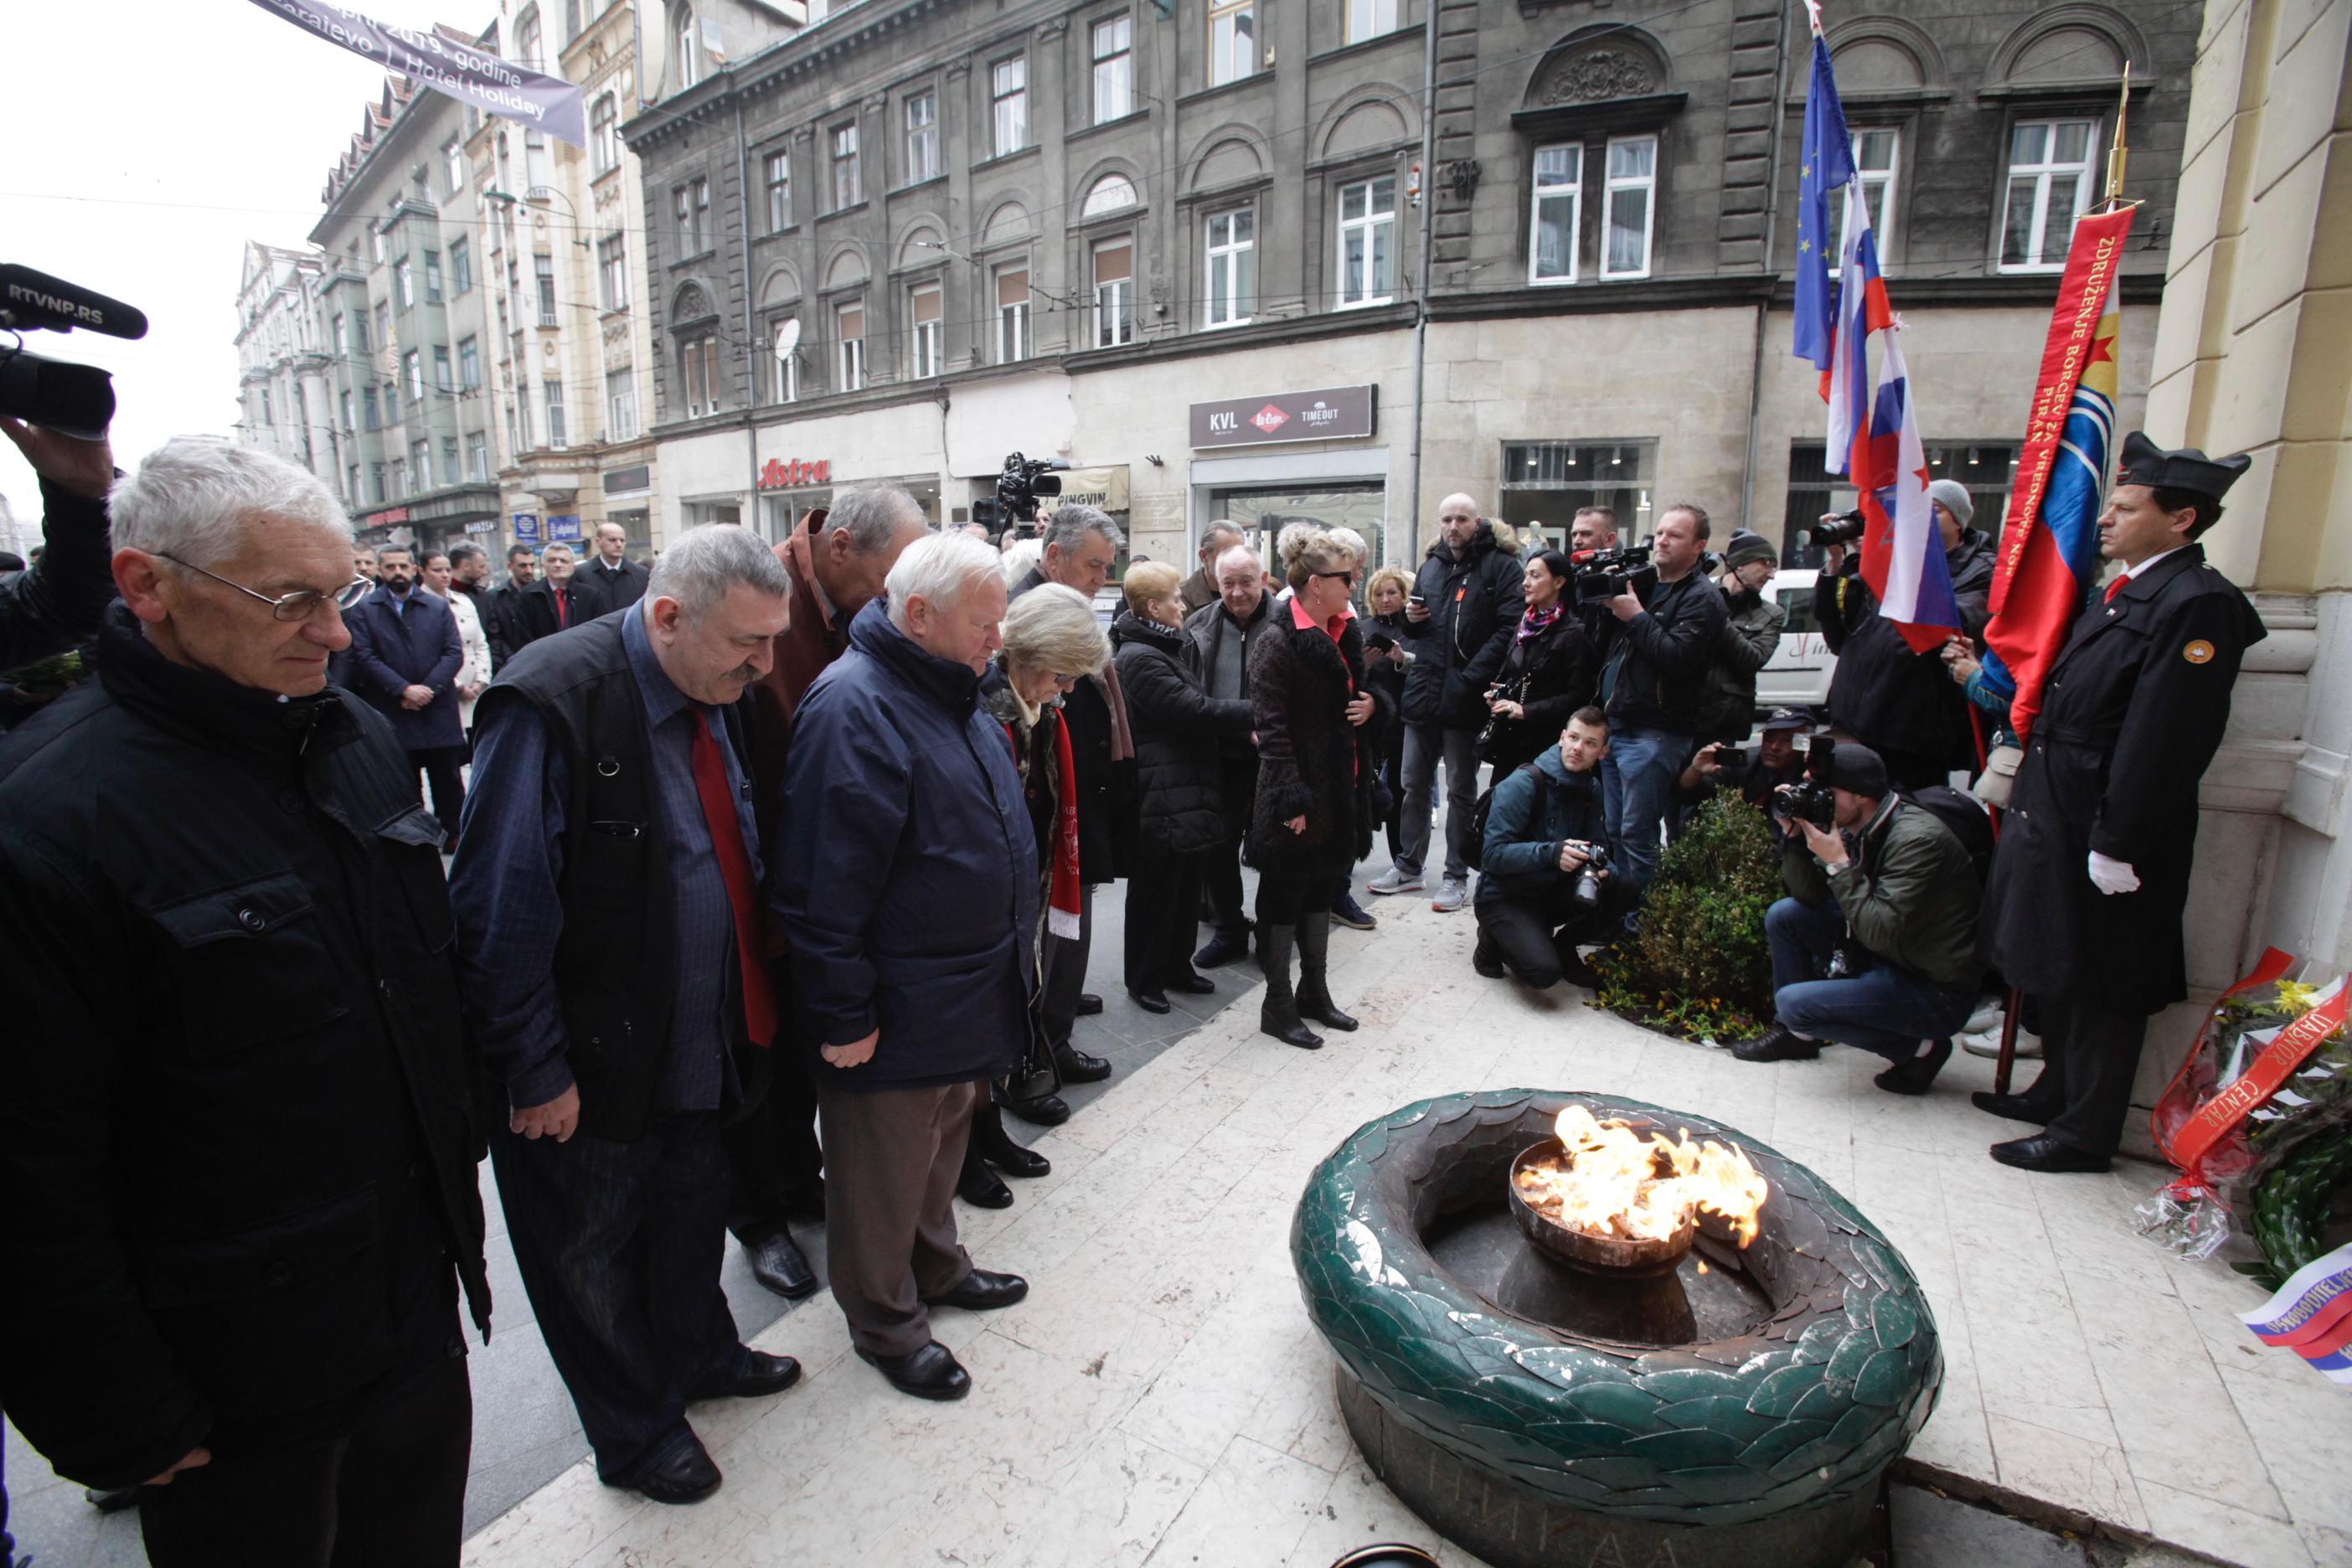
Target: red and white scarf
(1062, 897)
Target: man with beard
(407, 652)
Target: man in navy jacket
(911, 910)
(406, 654)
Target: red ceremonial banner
(2216, 1117)
(2097, 251)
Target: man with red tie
(608, 929)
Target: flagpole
(2119, 153)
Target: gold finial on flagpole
(2118, 153)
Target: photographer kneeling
(1543, 884)
(1884, 902)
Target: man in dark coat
(550, 605)
(1081, 544)
(908, 899)
(1900, 703)
(406, 655)
(1541, 828)
(1225, 631)
(2083, 907)
(504, 619)
(237, 1130)
(610, 581)
(1465, 608)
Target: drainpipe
(750, 336)
(1764, 305)
(1420, 287)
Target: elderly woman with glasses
(1181, 805)
(1318, 754)
(1052, 641)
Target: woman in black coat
(1317, 758)
(1549, 673)
(1179, 804)
(1387, 655)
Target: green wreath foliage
(1697, 964)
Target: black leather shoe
(1193, 985)
(2013, 1107)
(1046, 1110)
(930, 1372)
(765, 1374)
(1776, 1044)
(992, 1143)
(778, 1263)
(1225, 947)
(1076, 1067)
(1089, 1004)
(979, 1186)
(687, 1475)
(1487, 960)
(981, 1291)
(1918, 1075)
(1150, 1001)
(2047, 1151)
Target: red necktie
(735, 870)
(563, 611)
(2116, 587)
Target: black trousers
(1065, 971)
(1163, 906)
(2089, 1061)
(390, 1495)
(773, 1163)
(1304, 886)
(441, 764)
(1220, 868)
(619, 1246)
(1536, 936)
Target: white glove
(2113, 876)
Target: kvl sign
(1334, 414)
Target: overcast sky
(141, 169)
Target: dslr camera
(1587, 892)
(1811, 798)
(1843, 529)
(75, 400)
(1605, 573)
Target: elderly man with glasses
(237, 1136)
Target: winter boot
(1278, 1014)
(1315, 996)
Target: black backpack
(1475, 854)
(1965, 819)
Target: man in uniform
(2083, 907)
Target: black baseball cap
(1788, 719)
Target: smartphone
(1417, 601)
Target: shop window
(1265, 513)
(1545, 483)
(1989, 469)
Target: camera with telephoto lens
(75, 400)
(1811, 798)
(1021, 482)
(1588, 876)
(1847, 528)
(1605, 573)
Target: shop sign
(781, 474)
(1104, 488)
(1333, 414)
(623, 479)
(387, 518)
(565, 527)
(526, 527)
(484, 526)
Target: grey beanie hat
(1955, 497)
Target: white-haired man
(908, 893)
(236, 1149)
(609, 927)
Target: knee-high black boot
(1278, 1014)
(1314, 991)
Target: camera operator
(1757, 775)
(1883, 904)
(1654, 687)
(1900, 703)
(1543, 884)
(1751, 631)
(55, 605)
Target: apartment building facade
(284, 405)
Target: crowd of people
(757, 890)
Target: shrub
(1697, 964)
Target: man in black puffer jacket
(1466, 606)
(1901, 704)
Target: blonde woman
(1386, 655)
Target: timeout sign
(1336, 413)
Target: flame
(1616, 1183)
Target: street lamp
(537, 196)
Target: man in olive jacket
(1885, 900)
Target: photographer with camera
(1751, 631)
(1757, 775)
(1543, 882)
(1883, 907)
(1900, 703)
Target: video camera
(1811, 798)
(1605, 573)
(75, 400)
(1023, 480)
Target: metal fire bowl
(1623, 1257)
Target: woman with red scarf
(1052, 641)
(1549, 673)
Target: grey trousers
(1066, 971)
(891, 1159)
(1423, 745)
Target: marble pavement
(1161, 1399)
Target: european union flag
(1828, 166)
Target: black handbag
(1508, 691)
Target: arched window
(690, 50)
(1109, 195)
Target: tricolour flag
(1902, 549)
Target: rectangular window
(1114, 68)
(383, 324)
(461, 266)
(449, 459)
(371, 409)
(441, 368)
(613, 271)
(1232, 40)
(404, 283)
(780, 192)
(1544, 483)
(1008, 94)
(477, 457)
(453, 166)
(845, 166)
(399, 477)
(1370, 19)
(266, 418)
(694, 375)
(1114, 292)
(391, 403)
(347, 412)
(375, 481)
(922, 138)
(621, 406)
(2049, 187)
(692, 204)
(923, 311)
(1012, 313)
(351, 486)
(420, 463)
(1629, 206)
(1876, 156)
(849, 333)
(375, 242)
(551, 394)
(544, 268)
(342, 338)
(1368, 212)
(432, 277)
(786, 386)
(411, 365)
(524, 439)
(1232, 267)
(360, 331)
(1559, 207)
(469, 364)
(604, 133)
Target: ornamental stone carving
(1594, 76)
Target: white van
(1797, 673)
